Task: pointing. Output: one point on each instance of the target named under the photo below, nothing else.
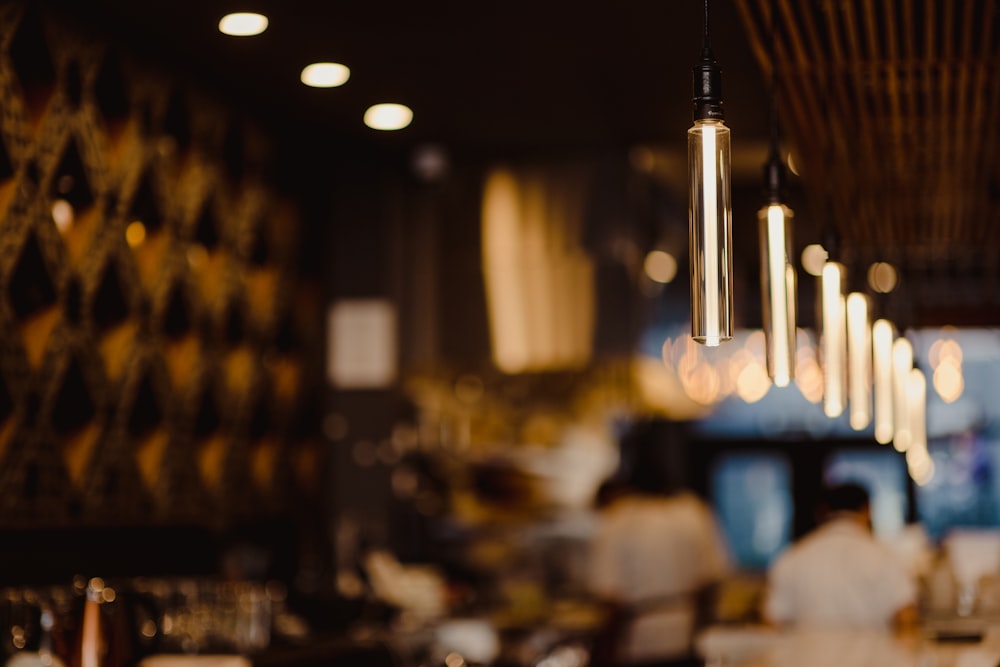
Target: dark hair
(654, 457)
(847, 497)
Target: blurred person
(840, 575)
(656, 556)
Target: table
(763, 647)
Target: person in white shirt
(840, 575)
(655, 556)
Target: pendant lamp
(710, 206)
(777, 274)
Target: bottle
(44, 656)
(710, 211)
(90, 646)
(100, 639)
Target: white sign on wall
(361, 344)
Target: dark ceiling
(517, 73)
(891, 108)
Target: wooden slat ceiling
(892, 108)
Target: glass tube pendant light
(710, 206)
(777, 275)
(916, 407)
(859, 361)
(902, 364)
(918, 459)
(882, 335)
(833, 338)
(777, 278)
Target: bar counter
(761, 647)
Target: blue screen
(752, 497)
(965, 488)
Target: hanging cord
(774, 169)
(775, 133)
(707, 81)
(706, 43)
(825, 198)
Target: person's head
(654, 457)
(847, 499)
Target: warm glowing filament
(902, 363)
(834, 343)
(711, 234)
(882, 363)
(859, 360)
(791, 294)
(777, 281)
(916, 407)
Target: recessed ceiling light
(243, 24)
(388, 116)
(325, 75)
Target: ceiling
(890, 108)
(519, 73)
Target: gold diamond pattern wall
(152, 324)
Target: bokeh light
(660, 266)
(325, 75)
(135, 233)
(814, 256)
(882, 277)
(388, 116)
(62, 215)
(243, 24)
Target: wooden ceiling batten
(893, 107)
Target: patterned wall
(152, 324)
